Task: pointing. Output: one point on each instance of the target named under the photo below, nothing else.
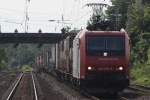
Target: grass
(140, 74)
(26, 68)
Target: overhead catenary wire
(30, 12)
(81, 17)
(80, 12)
(77, 14)
(12, 11)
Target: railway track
(124, 98)
(137, 91)
(24, 88)
(94, 98)
(144, 89)
(35, 90)
(6, 80)
(90, 96)
(56, 90)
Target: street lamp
(60, 21)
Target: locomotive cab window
(97, 45)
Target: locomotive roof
(83, 32)
(105, 32)
(79, 34)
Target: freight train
(94, 60)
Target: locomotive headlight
(89, 68)
(105, 54)
(120, 68)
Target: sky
(74, 12)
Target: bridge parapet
(30, 37)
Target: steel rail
(141, 87)
(14, 88)
(94, 98)
(123, 98)
(35, 90)
(90, 96)
(141, 91)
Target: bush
(140, 74)
(26, 68)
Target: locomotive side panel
(82, 56)
(60, 56)
(127, 52)
(57, 56)
(50, 58)
(64, 56)
(76, 58)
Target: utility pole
(117, 19)
(26, 15)
(0, 29)
(62, 20)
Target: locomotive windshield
(97, 45)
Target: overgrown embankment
(140, 73)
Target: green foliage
(26, 68)
(65, 29)
(96, 23)
(141, 50)
(134, 20)
(138, 23)
(147, 18)
(135, 17)
(98, 20)
(140, 74)
(21, 55)
(117, 14)
(3, 59)
(135, 23)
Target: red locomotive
(95, 59)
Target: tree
(65, 29)
(147, 17)
(3, 59)
(117, 14)
(22, 54)
(96, 22)
(134, 24)
(98, 19)
(138, 23)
